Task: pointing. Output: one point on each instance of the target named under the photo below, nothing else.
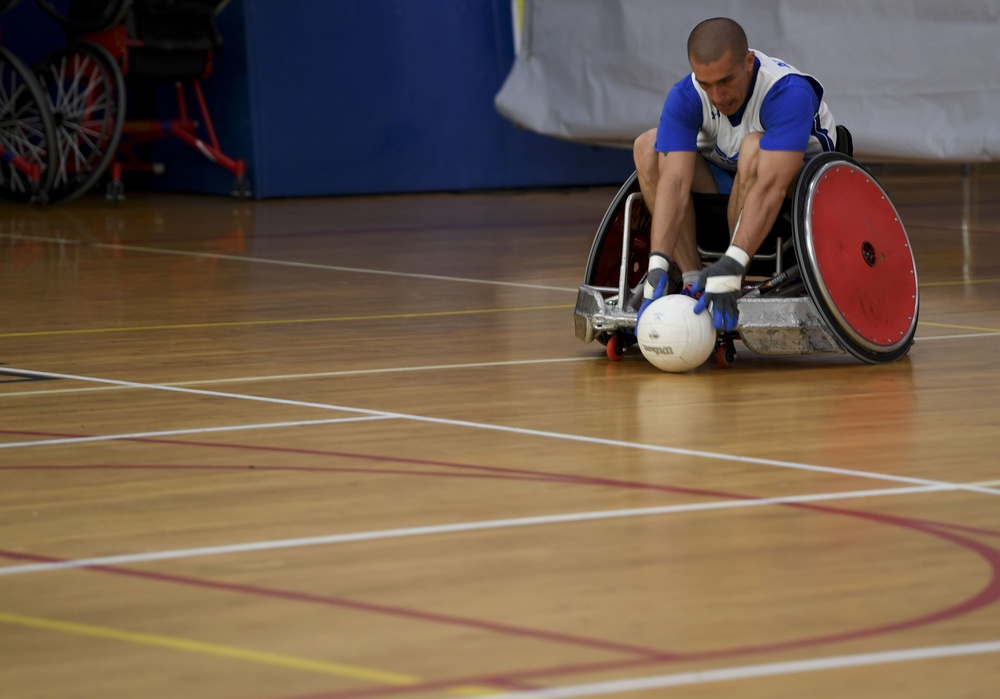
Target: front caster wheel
(725, 352)
(615, 348)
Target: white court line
(744, 672)
(332, 268)
(583, 439)
(283, 263)
(457, 528)
(388, 370)
(316, 375)
(56, 441)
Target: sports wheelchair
(836, 274)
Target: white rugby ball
(673, 337)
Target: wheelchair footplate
(768, 326)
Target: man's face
(727, 80)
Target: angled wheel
(27, 133)
(604, 262)
(855, 258)
(86, 93)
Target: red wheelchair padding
(865, 271)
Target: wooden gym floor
(344, 448)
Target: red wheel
(614, 348)
(725, 354)
(855, 258)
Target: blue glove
(719, 285)
(661, 287)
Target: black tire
(604, 261)
(27, 131)
(86, 92)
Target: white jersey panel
(719, 141)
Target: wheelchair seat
(172, 39)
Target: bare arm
(668, 230)
(759, 200)
(761, 184)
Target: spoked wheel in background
(86, 92)
(28, 156)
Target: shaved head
(713, 38)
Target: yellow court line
(960, 282)
(223, 651)
(282, 321)
(959, 327)
(341, 319)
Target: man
(741, 124)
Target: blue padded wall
(396, 95)
(29, 33)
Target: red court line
(988, 595)
(650, 657)
(500, 471)
(476, 624)
(495, 470)
(300, 469)
(525, 476)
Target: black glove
(719, 285)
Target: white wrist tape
(723, 284)
(738, 254)
(658, 266)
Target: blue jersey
(784, 104)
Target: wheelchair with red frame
(836, 274)
(114, 44)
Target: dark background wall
(326, 97)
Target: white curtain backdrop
(911, 79)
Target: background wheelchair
(836, 274)
(114, 45)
